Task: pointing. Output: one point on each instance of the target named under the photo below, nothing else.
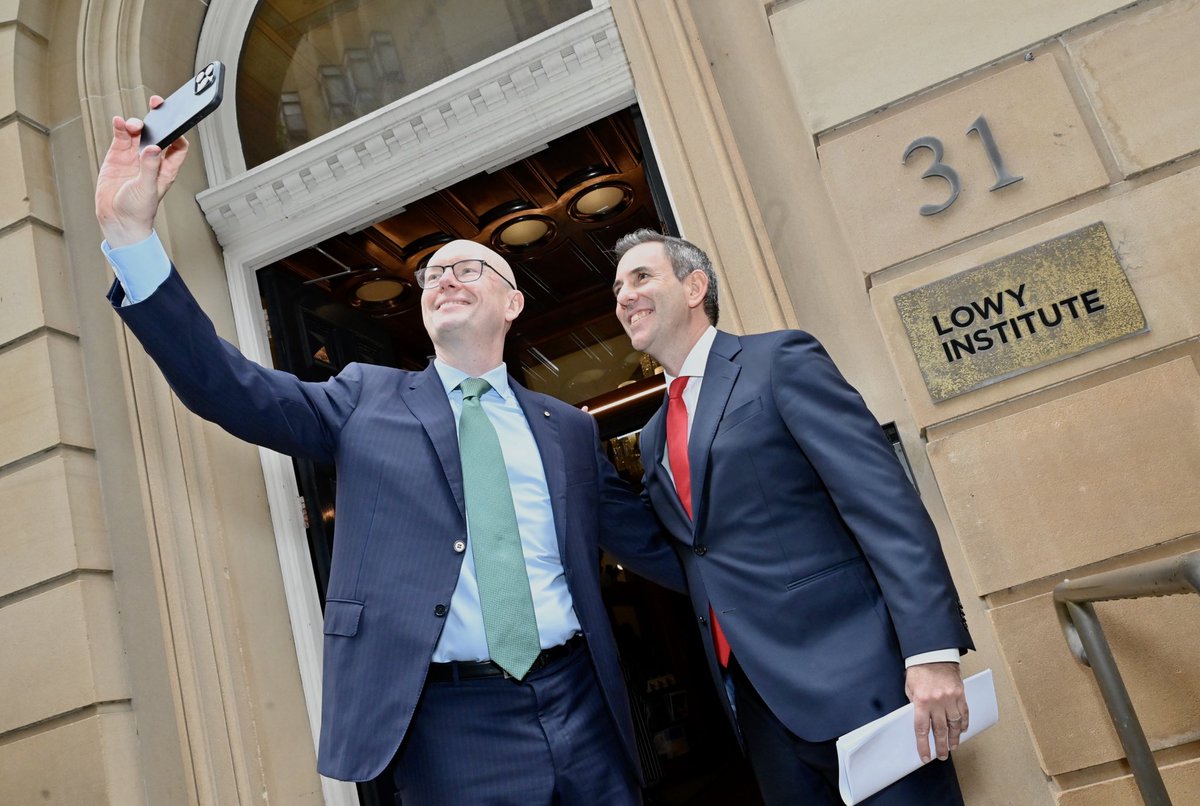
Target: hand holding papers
(884, 751)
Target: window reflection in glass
(310, 66)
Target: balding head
(467, 321)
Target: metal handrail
(1073, 601)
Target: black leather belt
(477, 669)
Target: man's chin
(449, 317)
(440, 326)
(640, 340)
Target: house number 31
(941, 169)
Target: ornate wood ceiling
(567, 342)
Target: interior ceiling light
(380, 290)
(524, 231)
(656, 389)
(601, 200)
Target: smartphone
(185, 107)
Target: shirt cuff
(140, 268)
(936, 656)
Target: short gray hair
(685, 258)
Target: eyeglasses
(465, 271)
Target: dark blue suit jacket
(812, 546)
(391, 435)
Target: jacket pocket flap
(341, 616)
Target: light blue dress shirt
(463, 636)
(142, 267)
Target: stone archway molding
(202, 632)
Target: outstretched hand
(939, 704)
(131, 184)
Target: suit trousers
(790, 770)
(547, 739)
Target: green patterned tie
(507, 604)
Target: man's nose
(625, 296)
(448, 278)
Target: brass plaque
(1042, 304)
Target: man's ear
(695, 287)
(516, 304)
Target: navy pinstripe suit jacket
(391, 435)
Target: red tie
(677, 455)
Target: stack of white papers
(884, 751)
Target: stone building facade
(153, 647)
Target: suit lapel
(427, 400)
(720, 373)
(545, 433)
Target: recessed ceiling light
(380, 290)
(601, 200)
(524, 232)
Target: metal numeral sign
(944, 171)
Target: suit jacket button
(700, 550)
(460, 546)
(439, 610)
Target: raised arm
(210, 376)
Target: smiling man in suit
(465, 636)
(815, 574)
